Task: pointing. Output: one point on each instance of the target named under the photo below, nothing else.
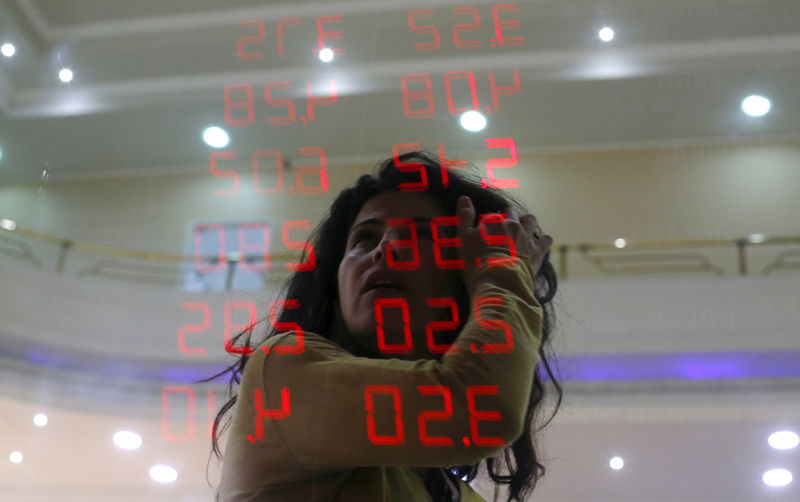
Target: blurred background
(163, 161)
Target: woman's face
(365, 254)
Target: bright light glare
(40, 419)
(756, 106)
(326, 55)
(783, 440)
(620, 243)
(163, 474)
(8, 50)
(616, 463)
(65, 75)
(216, 137)
(473, 121)
(15, 457)
(606, 34)
(777, 477)
(127, 440)
(8, 224)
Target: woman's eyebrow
(375, 221)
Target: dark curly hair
(317, 292)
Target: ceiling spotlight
(756, 106)
(8, 50)
(65, 75)
(216, 137)
(777, 477)
(163, 474)
(616, 463)
(127, 440)
(326, 55)
(784, 440)
(15, 457)
(40, 419)
(606, 34)
(473, 121)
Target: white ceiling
(149, 76)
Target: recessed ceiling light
(65, 75)
(606, 34)
(40, 419)
(8, 50)
(616, 463)
(326, 55)
(15, 457)
(777, 477)
(163, 474)
(783, 440)
(216, 137)
(756, 106)
(473, 121)
(127, 440)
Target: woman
(401, 363)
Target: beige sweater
(318, 447)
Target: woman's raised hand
(519, 228)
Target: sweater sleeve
(357, 411)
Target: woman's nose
(379, 251)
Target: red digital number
(309, 265)
(500, 26)
(466, 28)
(399, 437)
(439, 242)
(291, 116)
(189, 425)
(232, 327)
(289, 21)
(249, 40)
(194, 328)
(222, 263)
(425, 96)
(432, 390)
(262, 247)
(312, 101)
(190, 420)
(449, 164)
(483, 415)
(495, 239)
(412, 243)
(320, 170)
(258, 155)
(408, 167)
(385, 348)
(228, 173)
(323, 35)
(450, 325)
(231, 105)
(281, 327)
(499, 90)
(256, 168)
(262, 412)
(506, 24)
(493, 348)
(502, 162)
(434, 44)
(473, 90)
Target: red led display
(434, 39)
(250, 47)
(231, 328)
(318, 170)
(250, 248)
(188, 426)
(380, 304)
(419, 103)
(399, 436)
(240, 103)
(490, 180)
(264, 413)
